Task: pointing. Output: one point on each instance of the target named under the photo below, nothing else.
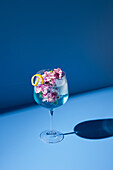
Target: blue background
(75, 35)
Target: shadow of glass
(95, 129)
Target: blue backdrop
(75, 35)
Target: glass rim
(43, 70)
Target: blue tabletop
(22, 149)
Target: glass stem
(51, 120)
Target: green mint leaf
(56, 102)
(40, 94)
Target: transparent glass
(52, 135)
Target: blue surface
(74, 35)
(21, 148)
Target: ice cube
(60, 82)
(63, 90)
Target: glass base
(51, 136)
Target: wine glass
(51, 94)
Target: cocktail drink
(50, 91)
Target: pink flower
(38, 89)
(45, 89)
(45, 97)
(49, 77)
(58, 73)
(54, 94)
(48, 89)
(50, 100)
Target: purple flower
(48, 90)
(58, 73)
(38, 89)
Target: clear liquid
(62, 100)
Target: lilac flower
(58, 73)
(48, 89)
(49, 77)
(38, 89)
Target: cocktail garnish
(37, 80)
